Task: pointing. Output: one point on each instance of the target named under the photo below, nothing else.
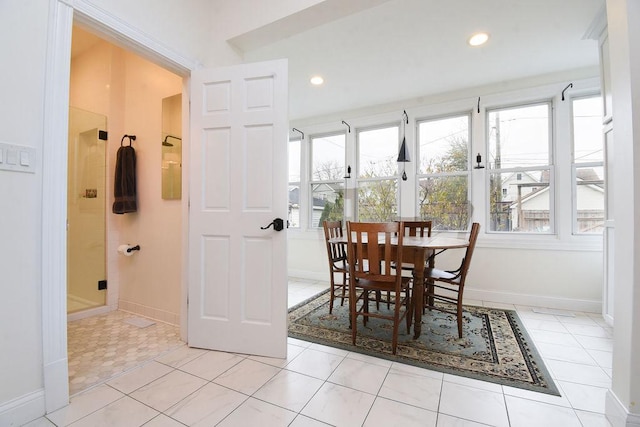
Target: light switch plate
(17, 158)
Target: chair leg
(352, 313)
(332, 291)
(409, 308)
(396, 320)
(344, 287)
(459, 319)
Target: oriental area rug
(495, 346)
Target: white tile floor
(320, 386)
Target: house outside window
(377, 174)
(520, 180)
(327, 172)
(588, 165)
(294, 183)
(443, 172)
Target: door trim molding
(54, 169)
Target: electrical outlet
(102, 285)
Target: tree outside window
(443, 172)
(327, 178)
(378, 174)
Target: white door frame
(54, 172)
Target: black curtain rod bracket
(565, 89)
(297, 130)
(347, 124)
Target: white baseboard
(89, 312)
(150, 312)
(23, 409)
(617, 414)
(589, 306)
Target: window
(378, 174)
(327, 178)
(443, 172)
(588, 169)
(520, 163)
(294, 183)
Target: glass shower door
(86, 211)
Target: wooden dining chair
(447, 286)
(415, 229)
(337, 256)
(371, 271)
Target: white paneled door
(238, 185)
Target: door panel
(238, 184)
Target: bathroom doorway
(86, 206)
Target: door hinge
(102, 285)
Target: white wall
(624, 36)
(23, 27)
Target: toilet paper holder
(133, 248)
(127, 249)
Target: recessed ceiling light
(316, 80)
(478, 39)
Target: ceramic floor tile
(544, 325)
(413, 389)
(359, 375)
(551, 337)
(163, 421)
(528, 413)
(538, 397)
(207, 406)
(211, 364)
(103, 346)
(85, 403)
(40, 422)
(564, 353)
(595, 343)
(289, 390)
(577, 373)
(254, 412)
(166, 391)
(604, 359)
(125, 412)
(302, 421)
(470, 382)
(587, 330)
(299, 343)
(590, 419)
(328, 349)
(370, 359)
(315, 363)
(292, 352)
(386, 413)
(473, 404)
(585, 397)
(339, 406)
(180, 356)
(247, 376)
(140, 376)
(449, 421)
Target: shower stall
(86, 211)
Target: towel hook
(131, 138)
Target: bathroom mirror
(172, 147)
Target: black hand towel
(124, 188)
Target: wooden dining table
(417, 250)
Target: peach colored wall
(129, 91)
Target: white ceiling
(405, 49)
